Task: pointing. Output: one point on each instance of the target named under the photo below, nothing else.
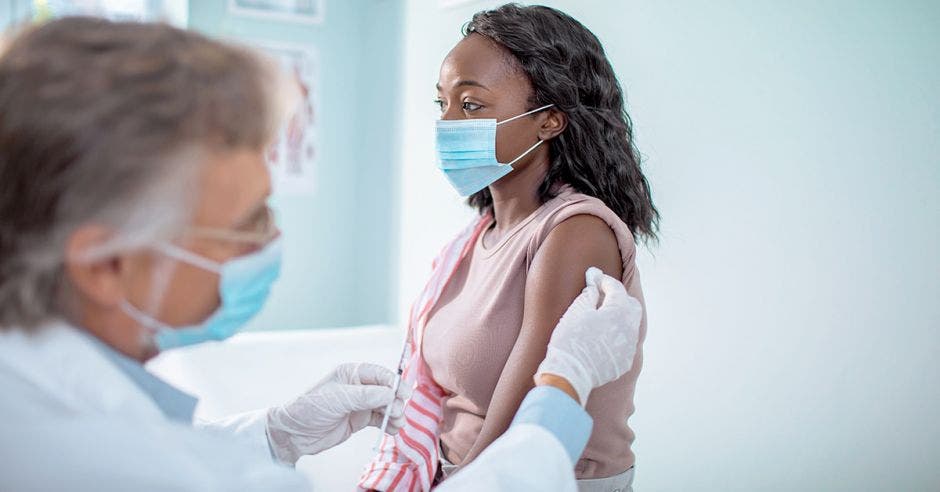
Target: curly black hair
(567, 67)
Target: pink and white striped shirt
(408, 461)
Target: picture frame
(449, 4)
(298, 11)
(293, 158)
(175, 12)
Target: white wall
(794, 152)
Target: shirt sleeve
(538, 451)
(558, 413)
(249, 427)
(108, 454)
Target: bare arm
(555, 278)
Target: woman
(560, 191)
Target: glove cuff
(279, 440)
(565, 365)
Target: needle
(396, 385)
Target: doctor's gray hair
(108, 123)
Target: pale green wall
(341, 240)
(13, 10)
(339, 268)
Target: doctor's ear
(93, 278)
(553, 124)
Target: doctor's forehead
(479, 61)
(234, 184)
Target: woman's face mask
(466, 151)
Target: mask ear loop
(158, 286)
(162, 275)
(510, 163)
(187, 256)
(530, 149)
(163, 272)
(536, 110)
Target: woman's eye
(440, 104)
(469, 106)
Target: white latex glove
(352, 397)
(594, 345)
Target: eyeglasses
(259, 230)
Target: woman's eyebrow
(463, 83)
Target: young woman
(563, 192)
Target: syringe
(395, 387)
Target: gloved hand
(350, 398)
(594, 345)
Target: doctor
(133, 219)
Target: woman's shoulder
(569, 246)
(585, 218)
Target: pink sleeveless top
(474, 325)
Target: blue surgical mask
(244, 286)
(466, 151)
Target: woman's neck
(516, 196)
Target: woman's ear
(553, 124)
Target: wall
(341, 241)
(12, 11)
(174, 11)
(794, 152)
(339, 266)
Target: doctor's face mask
(244, 287)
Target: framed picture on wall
(305, 11)
(292, 159)
(172, 11)
(453, 3)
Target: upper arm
(555, 278)
(556, 275)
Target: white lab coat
(71, 420)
